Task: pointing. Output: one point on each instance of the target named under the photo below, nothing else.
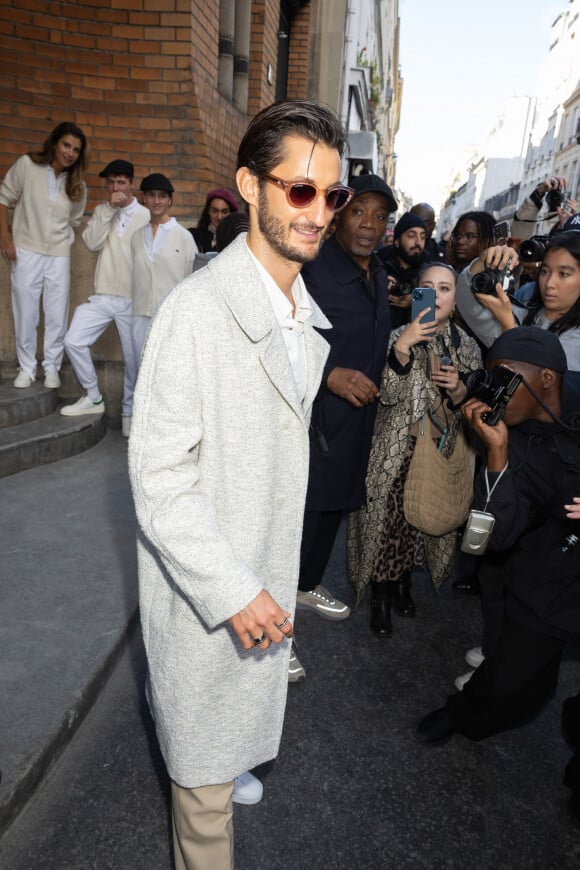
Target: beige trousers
(203, 828)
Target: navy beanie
(408, 222)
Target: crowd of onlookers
(469, 346)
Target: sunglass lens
(337, 198)
(302, 195)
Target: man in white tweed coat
(219, 466)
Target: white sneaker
(83, 406)
(321, 601)
(126, 425)
(474, 657)
(51, 380)
(23, 380)
(247, 789)
(296, 672)
(462, 680)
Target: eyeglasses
(469, 237)
(301, 193)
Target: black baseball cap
(118, 167)
(157, 181)
(370, 183)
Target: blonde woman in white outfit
(50, 195)
(162, 254)
(109, 232)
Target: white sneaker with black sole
(320, 601)
(247, 789)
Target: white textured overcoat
(219, 466)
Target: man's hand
(261, 618)
(353, 386)
(119, 199)
(573, 510)
(400, 301)
(495, 437)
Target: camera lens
(484, 282)
(532, 250)
(475, 381)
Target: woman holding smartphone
(421, 375)
(50, 195)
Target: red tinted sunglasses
(301, 193)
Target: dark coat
(359, 313)
(531, 528)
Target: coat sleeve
(96, 231)
(173, 507)
(13, 184)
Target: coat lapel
(239, 283)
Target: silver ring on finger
(259, 640)
(284, 623)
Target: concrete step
(21, 406)
(47, 439)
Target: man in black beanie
(402, 261)
(527, 484)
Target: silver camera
(477, 532)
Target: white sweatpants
(88, 324)
(139, 329)
(32, 276)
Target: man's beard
(274, 233)
(410, 259)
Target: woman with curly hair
(50, 194)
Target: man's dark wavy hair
(262, 147)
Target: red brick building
(168, 84)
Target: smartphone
(501, 233)
(423, 298)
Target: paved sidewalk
(68, 589)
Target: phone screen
(501, 233)
(423, 297)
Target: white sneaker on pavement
(83, 406)
(51, 380)
(474, 657)
(296, 672)
(322, 602)
(23, 380)
(247, 789)
(462, 680)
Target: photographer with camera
(551, 193)
(527, 488)
(554, 304)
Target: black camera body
(495, 388)
(484, 282)
(533, 250)
(555, 198)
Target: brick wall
(299, 60)
(138, 76)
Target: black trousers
(511, 685)
(318, 536)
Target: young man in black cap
(402, 261)
(349, 284)
(109, 232)
(529, 478)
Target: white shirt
(56, 183)
(123, 215)
(292, 326)
(154, 243)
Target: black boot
(381, 609)
(401, 596)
